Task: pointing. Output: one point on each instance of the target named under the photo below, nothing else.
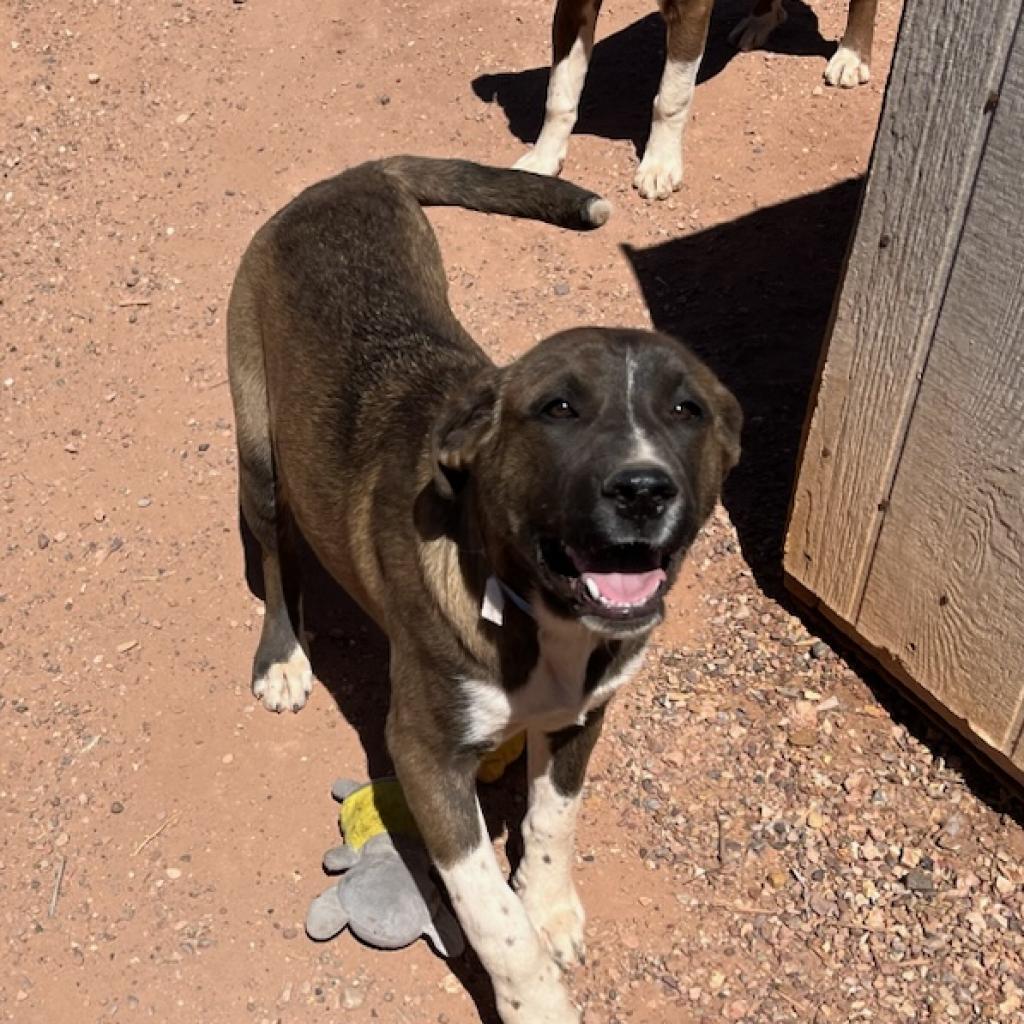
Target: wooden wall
(907, 525)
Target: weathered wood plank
(949, 59)
(945, 593)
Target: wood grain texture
(945, 593)
(950, 57)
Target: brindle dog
(512, 530)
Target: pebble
(561, 288)
(819, 650)
(92, 77)
(919, 881)
(144, 502)
(116, 807)
(803, 738)
(173, 873)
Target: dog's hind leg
(282, 677)
(661, 171)
(557, 764)
(572, 44)
(753, 31)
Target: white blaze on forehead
(644, 449)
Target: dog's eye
(559, 409)
(687, 411)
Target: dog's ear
(465, 424)
(728, 426)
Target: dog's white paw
(543, 1000)
(753, 31)
(285, 685)
(660, 173)
(540, 161)
(846, 69)
(557, 915)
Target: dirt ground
(768, 835)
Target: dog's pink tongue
(625, 588)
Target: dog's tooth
(593, 589)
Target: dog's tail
(435, 182)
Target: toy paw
(326, 916)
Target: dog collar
(492, 608)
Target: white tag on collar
(492, 608)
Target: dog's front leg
(572, 44)
(440, 788)
(661, 171)
(557, 764)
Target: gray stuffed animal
(386, 897)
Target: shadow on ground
(626, 67)
(754, 298)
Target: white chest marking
(553, 697)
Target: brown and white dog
(661, 170)
(512, 530)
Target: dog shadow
(626, 68)
(349, 654)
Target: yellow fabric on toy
(374, 808)
(494, 763)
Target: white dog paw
(846, 69)
(285, 685)
(753, 31)
(659, 174)
(540, 161)
(559, 923)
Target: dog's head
(595, 459)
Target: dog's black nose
(640, 492)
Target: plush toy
(387, 897)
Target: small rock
(919, 881)
(1004, 886)
(777, 878)
(819, 650)
(92, 77)
(562, 288)
(43, 541)
(173, 873)
(289, 933)
(227, 759)
(716, 980)
(144, 502)
(127, 646)
(451, 984)
(803, 738)
(353, 997)
(116, 807)
(815, 820)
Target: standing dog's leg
(557, 765)
(753, 31)
(281, 674)
(850, 64)
(661, 171)
(440, 788)
(572, 43)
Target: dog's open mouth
(624, 581)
